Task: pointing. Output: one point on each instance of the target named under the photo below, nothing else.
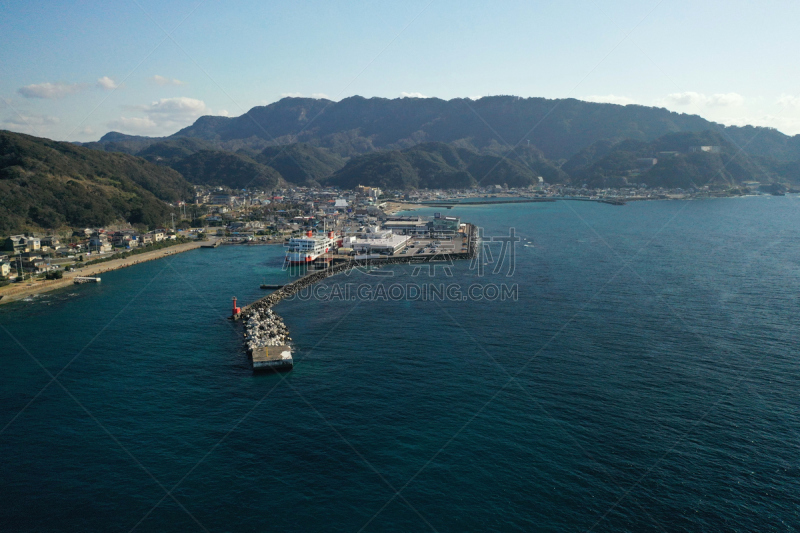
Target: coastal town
(309, 221)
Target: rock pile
(264, 328)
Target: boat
(306, 249)
(270, 286)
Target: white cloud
(39, 125)
(49, 90)
(32, 120)
(788, 100)
(222, 113)
(163, 116)
(610, 99)
(726, 100)
(107, 83)
(412, 95)
(301, 95)
(687, 98)
(133, 125)
(695, 99)
(86, 130)
(178, 107)
(161, 80)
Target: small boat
(270, 286)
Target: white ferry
(308, 248)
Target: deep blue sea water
(646, 379)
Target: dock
(274, 358)
(214, 244)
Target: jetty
(77, 280)
(449, 204)
(214, 244)
(272, 358)
(266, 336)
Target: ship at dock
(310, 247)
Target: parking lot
(428, 246)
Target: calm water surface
(646, 379)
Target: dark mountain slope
(432, 166)
(301, 163)
(169, 151)
(237, 171)
(677, 165)
(49, 184)
(560, 128)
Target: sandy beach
(17, 291)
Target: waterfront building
(309, 247)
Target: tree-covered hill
(237, 171)
(628, 163)
(434, 166)
(49, 184)
(301, 163)
(170, 151)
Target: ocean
(620, 368)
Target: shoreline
(14, 292)
(395, 207)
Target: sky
(77, 70)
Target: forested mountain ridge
(440, 166)
(676, 160)
(49, 184)
(559, 128)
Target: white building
(376, 242)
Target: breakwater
(263, 328)
(334, 268)
(450, 204)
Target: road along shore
(17, 291)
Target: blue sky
(74, 71)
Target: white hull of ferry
(300, 258)
(303, 250)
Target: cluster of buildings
(32, 254)
(389, 237)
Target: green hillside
(301, 163)
(435, 166)
(170, 151)
(237, 171)
(49, 184)
(620, 165)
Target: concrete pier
(341, 265)
(273, 358)
(85, 279)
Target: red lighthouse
(236, 310)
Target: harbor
(267, 339)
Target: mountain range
(559, 128)
(402, 143)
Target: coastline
(14, 292)
(395, 207)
